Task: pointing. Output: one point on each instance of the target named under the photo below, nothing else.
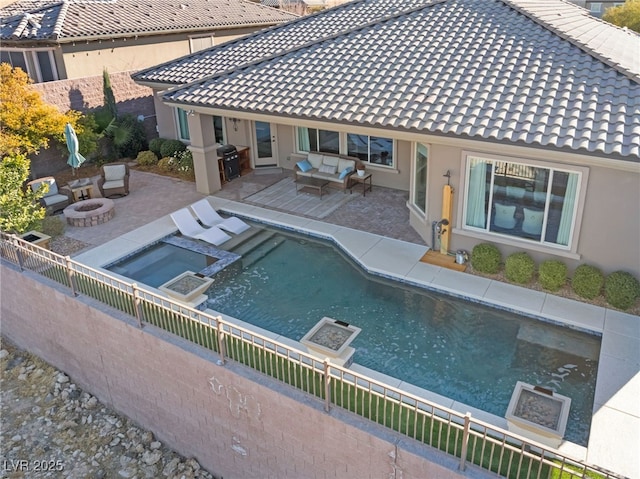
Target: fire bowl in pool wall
(187, 287)
(538, 414)
(330, 338)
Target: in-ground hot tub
(90, 212)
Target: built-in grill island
(230, 161)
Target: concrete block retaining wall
(235, 422)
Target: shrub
(552, 275)
(587, 281)
(155, 145)
(486, 258)
(166, 164)
(170, 147)
(184, 161)
(147, 158)
(621, 289)
(519, 268)
(131, 139)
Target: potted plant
(360, 168)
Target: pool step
(261, 250)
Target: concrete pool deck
(615, 428)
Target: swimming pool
(459, 349)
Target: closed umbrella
(75, 158)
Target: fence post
(327, 384)
(70, 276)
(137, 305)
(220, 339)
(465, 441)
(18, 252)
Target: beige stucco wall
(236, 423)
(82, 59)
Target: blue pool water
(465, 351)
(459, 349)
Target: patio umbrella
(75, 158)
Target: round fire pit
(89, 212)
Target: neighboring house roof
(72, 20)
(528, 72)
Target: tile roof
(71, 20)
(465, 68)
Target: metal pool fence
(470, 440)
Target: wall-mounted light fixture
(235, 122)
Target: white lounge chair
(189, 227)
(210, 217)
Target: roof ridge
(520, 8)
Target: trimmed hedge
(156, 144)
(147, 158)
(170, 147)
(621, 289)
(519, 268)
(552, 274)
(587, 281)
(486, 258)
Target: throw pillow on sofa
(304, 165)
(345, 172)
(331, 169)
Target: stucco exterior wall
(236, 423)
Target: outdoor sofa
(336, 169)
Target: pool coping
(615, 426)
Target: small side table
(355, 179)
(82, 189)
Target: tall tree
(625, 15)
(19, 208)
(27, 123)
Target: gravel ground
(50, 428)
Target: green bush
(184, 161)
(147, 158)
(587, 281)
(167, 164)
(134, 140)
(170, 147)
(486, 258)
(519, 268)
(155, 145)
(621, 289)
(552, 275)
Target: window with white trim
(312, 139)
(419, 196)
(527, 201)
(371, 149)
(200, 43)
(40, 65)
(595, 7)
(183, 125)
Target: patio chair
(504, 216)
(56, 199)
(210, 217)
(189, 227)
(114, 180)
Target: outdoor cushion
(50, 200)
(330, 160)
(108, 185)
(331, 169)
(53, 187)
(304, 165)
(344, 163)
(315, 159)
(345, 172)
(114, 172)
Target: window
(522, 200)
(218, 130)
(40, 65)
(596, 7)
(370, 149)
(420, 178)
(183, 125)
(311, 139)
